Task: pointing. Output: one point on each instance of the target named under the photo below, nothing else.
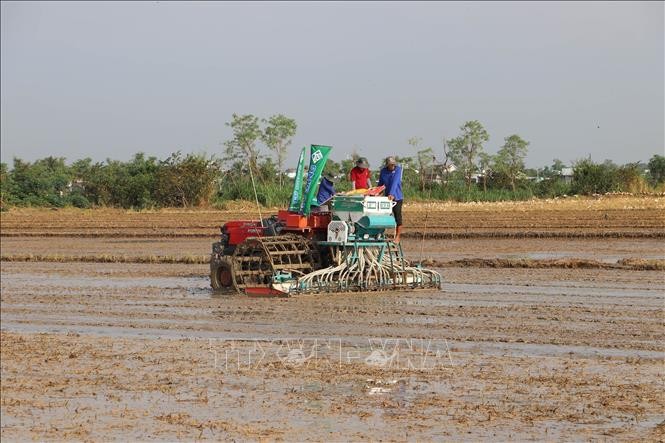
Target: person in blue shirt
(326, 189)
(391, 177)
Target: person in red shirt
(360, 175)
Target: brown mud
(626, 263)
(146, 351)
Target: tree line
(461, 170)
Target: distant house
(480, 177)
(290, 173)
(437, 172)
(74, 185)
(566, 175)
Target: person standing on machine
(360, 175)
(391, 177)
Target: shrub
(594, 178)
(79, 201)
(552, 187)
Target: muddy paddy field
(549, 326)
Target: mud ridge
(411, 234)
(635, 264)
(105, 258)
(535, 234)
(110, 234)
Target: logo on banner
(316, 156)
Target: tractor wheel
(221, 275)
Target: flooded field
(92, 351)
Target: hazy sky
(106, 80)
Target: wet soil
(98, 351)
(608, 250)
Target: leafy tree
(43, 182)
(134, 183)
(98, 181)
(115, 183)
(83, 191)
(510, 158)
(486, 162)
(334, 168)
(6, 186)
(465, 148)
(81, 169)
(277, 136)
(246, 132)
(656, 167)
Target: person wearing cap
(391, 177)
(360, 175)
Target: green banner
(296, 195)
(317, 161)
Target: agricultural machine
(333, 243)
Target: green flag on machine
(296, 195)
(317, 161)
